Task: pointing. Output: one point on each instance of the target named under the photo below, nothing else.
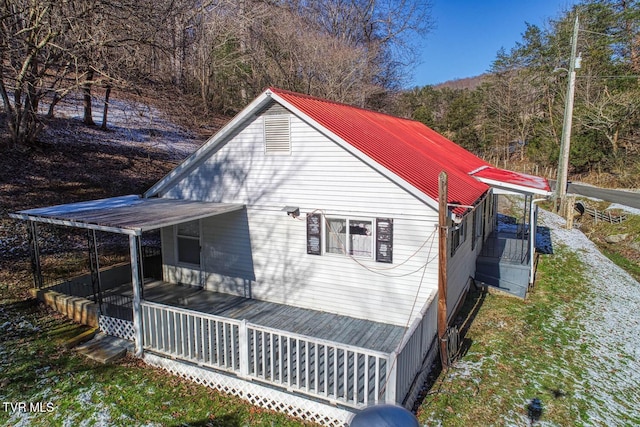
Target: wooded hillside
(214, 56)
(516, 113)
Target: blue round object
(384, 416)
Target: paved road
(622, 197)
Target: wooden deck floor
(343, 329)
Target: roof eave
(514, 187)
(76, 224)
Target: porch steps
(504, 276)
(79, 339)
(105, 349)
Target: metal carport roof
(130, 214)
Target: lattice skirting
(117, 327)
(256, 394)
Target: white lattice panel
(117, 327)
(256, 394)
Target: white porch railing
(412, 351)
(339, 373)
(201, 338)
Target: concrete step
(105, 349)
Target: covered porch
(339, 359)
(304, 362)
(507, 260)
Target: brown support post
(443, 219)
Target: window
(477, 225)
(360, 238)
(458, 235)
(479, 229)
(188, 242)
(349, 236)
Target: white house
(300, 254)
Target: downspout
(533, 226)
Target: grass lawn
(515, 351)
(75, 391)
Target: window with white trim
(479, 229)
(188, 243)
(349, 236)
(458, 235)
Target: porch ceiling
(126, 214)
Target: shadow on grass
(463, 321)
(229, 420)
(35, 337)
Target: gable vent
(277, 134)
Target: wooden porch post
(34, 252)
(442, 266)
(135, 280)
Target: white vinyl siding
(318, 173)
(318, 176)
(461, 266)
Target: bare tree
(28, 31)
(613, 115)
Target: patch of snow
(131, 123)
(627, 209)
(610, 321)
(20, 419)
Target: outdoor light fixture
(293, 211)
(534, 410)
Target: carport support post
(135, 280)
(34, 251)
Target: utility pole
(565, 142)
(443, 219)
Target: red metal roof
(408, 148)
(514, 178)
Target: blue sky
(469, 33)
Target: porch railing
(415, 346)
(348, 375)
(202, 338)
(506, 249)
